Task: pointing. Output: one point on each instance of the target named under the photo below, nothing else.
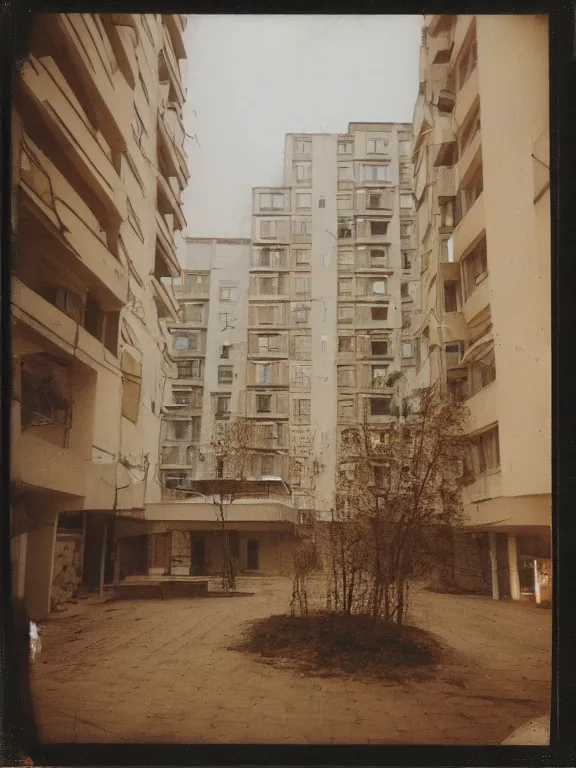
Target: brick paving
(162, 672)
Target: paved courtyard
(148, 671)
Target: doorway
(253, 555)
(198, 556)
(503, 566)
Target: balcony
(80, 38)
(483, 408)
(164, 299)
(461, 32)
(446, 184)
(443, 141)
(437, 23)
(487, 485)
(467, 98)
(441, 48)
(52, 112)
(169, 69)
(477, 301)
(469, 229)
(167, 246)
(174, 23)
(121, 29)
(271, 511)
(171, 139)
(168, 200)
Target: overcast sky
(253, 79)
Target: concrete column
(494, 567)
(40, 566)
(513, 568)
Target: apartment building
(182, 532)
(481, 161)
(98, 167)
(333, 277)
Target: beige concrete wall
(514, 112)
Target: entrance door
(198, 556)
(253, 555)
(503, 567)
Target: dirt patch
(333, 645)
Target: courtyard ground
(163, 672)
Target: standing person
(18, 703)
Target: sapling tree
(398, 485)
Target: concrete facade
(98, 167)
(333, 274)
(481, 160)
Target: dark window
(378, 227)
(322, 203)
(263, 403)
(379, 406)
(379, 348)
(379, 313)
(93, 317)
(450, 297)
(225, 351)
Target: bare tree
(398, 486)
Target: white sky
(254, 78)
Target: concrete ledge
(159, 589)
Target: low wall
(164, 589)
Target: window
(451, 297)
(379, 406)
(345, 286)
(379, 375)
(222, 406)
(475, 267)
(302, 347)
(196, 284)
(378, 286)
(404, 148)
(346, 344)
(345, 147)
(267, 465)
(303, 172)
(302, 284)
(407, 349)
(376, 146)
(269, 257)
(265, 315)
(379, 313)
(378, 258)
(346, 376)
(268, 344)
(271, 228)
(225, 374)
(466, 65)
(471, 192)
(486, 451)
(193, 313)
(483, 372)
(263, 403)
(344, 173)
(345, 227)
(406, 229)
(346, 258)
(406, 202)
(374, 200)
(190, 341)
(225, 351)
(227, 293)
(378, 227)
(406, 320)
(266, 286)
(301, 227)
(302, 146)
(381, 476)
(379, 348)
(272, 201)
(375, 173)
(322, 202)
(344, 202)
(302, 410)
(262, 373)
(406, 263)
(300, 375)
(190, 369)
(404, 290)
(405, 173)
(301, 314)
(303, 200)
(46, 393)
(225, 320)
(302, 257)
(180, 430)
(345, 314)
(346, 409)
